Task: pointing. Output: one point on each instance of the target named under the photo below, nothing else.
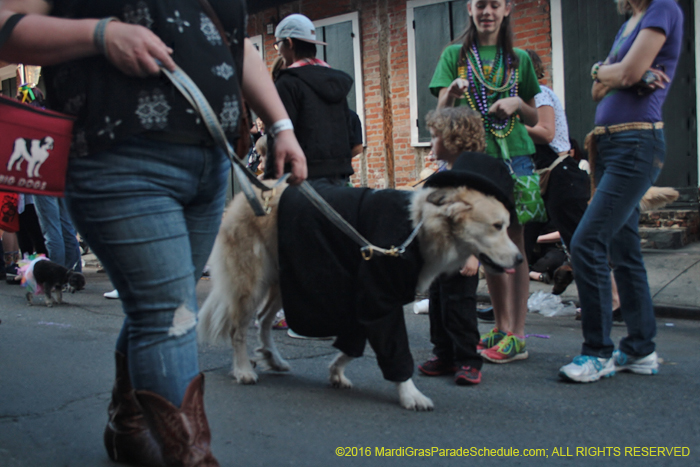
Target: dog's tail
(215, 323)
(657, 197)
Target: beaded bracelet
(99, 37)
(594, 71)
(280, 125)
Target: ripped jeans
(151, 211)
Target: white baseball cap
(297, 27)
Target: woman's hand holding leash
(134, 49)
(288, 151)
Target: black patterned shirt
(111, 106)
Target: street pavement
(57, 369)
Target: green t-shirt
(519, 142)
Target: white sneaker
(587, 369)
(421, 307)
(113, 294)
(648, 365)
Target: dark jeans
(29, 236)
(628, 163)
(454, 329)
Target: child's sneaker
(467, 375)
(587, 369)
(437, 367)
(280, 323)
(490, 339)
(648, 365)
(508, 349)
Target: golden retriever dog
(455, 222)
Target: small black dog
(53, 277)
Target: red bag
(9, 217)
(34, 147)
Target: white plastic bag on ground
(548, 305)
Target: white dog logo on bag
(35, 154)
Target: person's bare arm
(448, 95)
(544, 131)
(638, 60)
(598, 91)
(260, 93)
(39, 39)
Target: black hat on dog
(480, 171)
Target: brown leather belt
(603, 130)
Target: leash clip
(395, 252)
(367, 253)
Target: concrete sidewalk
(674, 280)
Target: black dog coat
(328, 289)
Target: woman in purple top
(631, 86)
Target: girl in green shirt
(481, 69)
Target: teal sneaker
(587, 369)
(648, 365)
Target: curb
(661, 310)
(676, 311)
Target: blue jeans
(58, 231)
(151, 211)
(627, 164)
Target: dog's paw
(338, 380)
(245, 377)
(268, 360)
(337, 371)
(279, 364)
(412, 399)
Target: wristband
(100, 37)
(594, 71)
(280, 125)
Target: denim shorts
(522, 165)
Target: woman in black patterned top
(146, 184)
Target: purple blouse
(626, 105)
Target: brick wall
(389, 160)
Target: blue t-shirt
(626, 105)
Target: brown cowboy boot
(127, 436)
(183, 433)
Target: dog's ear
(438, 197)
(458, 208)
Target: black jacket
(316, 100)
(329, 290)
